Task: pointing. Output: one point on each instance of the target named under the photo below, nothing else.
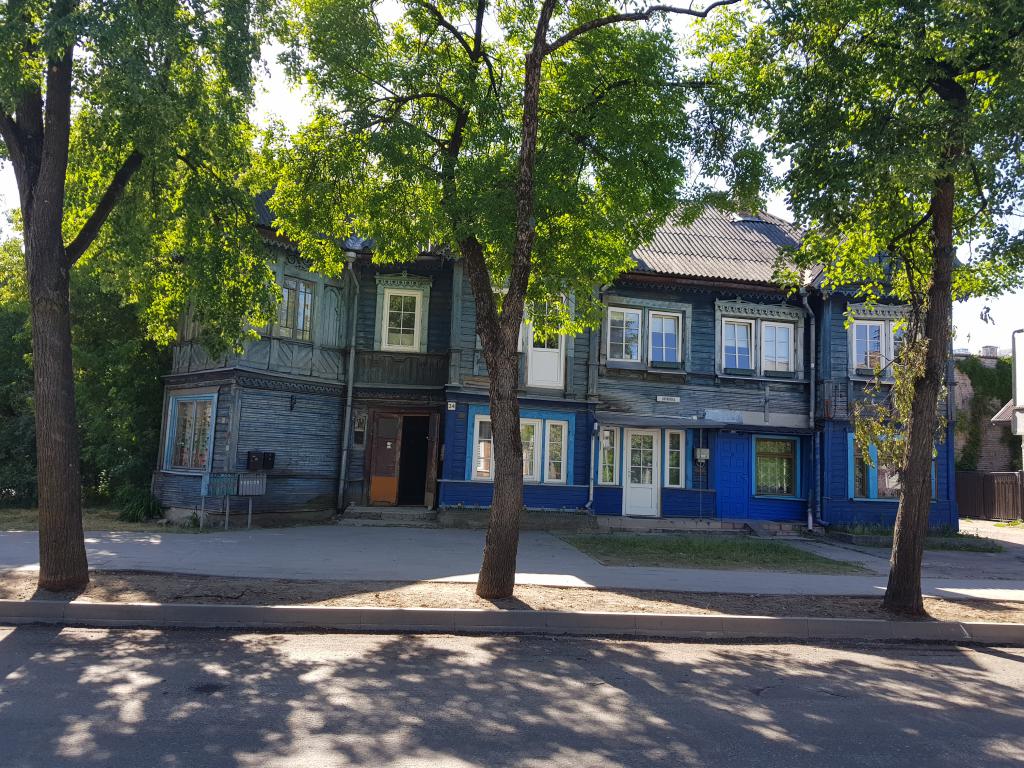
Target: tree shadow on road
(219, 698)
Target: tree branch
(436, 13)
(644, 15)
(104, 207)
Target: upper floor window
(624, 334)
(738, 344)
(295, 315)
(776, 346)
(868, 345)
(190, 432)
(401, 331)
(666, 339)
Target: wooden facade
(693, 399)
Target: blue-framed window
(776, 466)
(870, 479)
(190, 432)
(547, 446)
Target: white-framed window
(608, 456)
(869, 344)
(624, 334)
(401, 320)
(777, 346)
(675, 452)
(738, 344)
(666, 339)
(190, 432)
(556, 433)
(483, 449)
(530, 431)
(295, 314)
(775, 468)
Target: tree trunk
(498, 572)
(903, 593)
(62, 559)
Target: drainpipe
(1017, 386)
(350, 260)
(590, 485)
(812, 500)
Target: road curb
(482, 621)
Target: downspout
(812, 498)
(1016, 386)
(592, 368)
(350, 260)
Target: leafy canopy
(871, 103)
(417, 132)
(172, 82)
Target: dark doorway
(412, 469)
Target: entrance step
(391, 515)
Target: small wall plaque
(451, 405)
(668, 399)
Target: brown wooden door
(433, 446)
(386, 448)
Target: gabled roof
(1005, 413)
(720, 245)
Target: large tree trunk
(62, 559)
(903, 593)
(498, 572)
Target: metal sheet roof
(719, 245)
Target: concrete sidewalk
(343, 553)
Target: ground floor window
(545, 450)
(608, 473)
(674, 466)
(871, 479)
(190, 432)
(775, 466)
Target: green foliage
(992, 388)
(415, 141)
(171, 80)
(118, 387)
(873, 103)
(862, 98)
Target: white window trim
(638, 313)
(388, 293)
(682, 458)
(172, 425)
(752, 325)
(616, 442)
(885, 341)
(534, 474)
(565, 445)
(650, 336)
(791, 327)
(476, 443)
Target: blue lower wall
(837, 508)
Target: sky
(277, 98)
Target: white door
(546, 364)
(641, 489)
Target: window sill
(192, 472)
(779, 498)
(627, 365)
(876, 501)
(402, 350)
(779, 375)
(746, 372)
(793, 379)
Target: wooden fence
(990, 495)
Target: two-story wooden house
(707, 392)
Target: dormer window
(295, 315)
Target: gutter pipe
(592, 364)
(350, 260)
(812, 500)
(1017, 385)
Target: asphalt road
(76, 697)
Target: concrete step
(390, 514)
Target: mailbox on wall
(257, 460)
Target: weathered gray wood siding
(698, 387)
